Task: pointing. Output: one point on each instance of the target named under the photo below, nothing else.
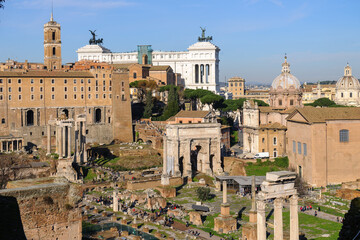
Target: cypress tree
(149, 105)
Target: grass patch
(90, 175)
(261, 168)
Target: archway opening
(30, 118)
(65, 112)
(148, 142)
(194, 159)
(212, 162)
(98, 115)
(181, 165)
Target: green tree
(1, 3)
(323, 102)
(149, 105)
(213, 100)
(143, 86)
(203, 193)
(351, 224)
(172, 107)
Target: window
(299, 147)
(9, 89)
(274, 140)
(9, 80)
(74, 89)
(54, 51)
(351, 94)
(103, 75)
(275, 153)
(305, 149)
(41, 97)
(263, 140)
(82, 96)
(19, 97)
(96, 83)
(74, 96)
(342, 94)
(89, 81)
(19, 80)
(74, 81)
(52, 97)
(96, 96)
(32, 89)
(104, 96)
(65, 89)
(19, 89)
(344, 135)
(1, 89)
(294, 147)
(32, 97)
(280, 102)
(109, 95)
(89, 89)
(41, 89)
(109, 75)
(3, 121)
(110, 83)
(1, 97)
(1, 81)
(123, 97)
(53, 89)
(53, 35)
(122, 84)
(82, 80)
(96, 75)
(31, 81)
(41, 81)
(291, 102)
(89, 96)
(52, 81)
(9, 97)
(65, 96)
(82, 89)
(134, 75)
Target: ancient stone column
(48, 152)
(224, 192)
(165, 156)
(83, 142)
(176, 158)
(187, 159)
(115, 202)
(294, 219)
(63, 140)
(69, 142)
(1, 146)
(76, 139)
(261, 220)
(12, 146)
(278, 219)
(206, 160)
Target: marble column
(165, 162)
(261, 220)
(76, 138)
(83, 142)
(294, 219)
(63, 139)
(69, 142)
(12, 146)
(1, 146)
(48, 152)
(278, 219)
(115, 202)
(206, 160)
(176, 158)
(224, 191)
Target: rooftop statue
(203, 38)
(93, 40)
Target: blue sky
(319, 36)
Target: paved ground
(322, 215)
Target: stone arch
(195, 160)
(98, 115)
(140, 140)
(30, 118)
(149, 142)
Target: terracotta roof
(192, 114)
(309, 88)
(278, 110)
(318, 115)
(122, 66)
(46, 73)
(160, 68)
(274, 125)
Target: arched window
(134, 75)
(342, 94)
(54, 51)
(351, 94)
(53, 36)
(3, 121)
(344, 135)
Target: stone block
(249, 231)
(225, 209)
(167, 192)
(195, 218)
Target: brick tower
(52, 44)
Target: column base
(165, 179)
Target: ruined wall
(136, 185)
(47, 210)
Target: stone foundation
(167, 192)
(225, 224)
(249, 231)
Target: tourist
(315, 214)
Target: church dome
(285, 80)
(348, 81)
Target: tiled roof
(318, 115)
(159, 68)
(46, 73)
(192, 114)
(278, 110)
(274, 125)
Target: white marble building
(199, 66)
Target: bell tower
(52, 44)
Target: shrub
(282, 162)
(203, 193)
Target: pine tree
(172, 107)
(149, 105)
(351, 225)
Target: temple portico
(277, 186)
(10, 144)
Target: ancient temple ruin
(277, 186)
